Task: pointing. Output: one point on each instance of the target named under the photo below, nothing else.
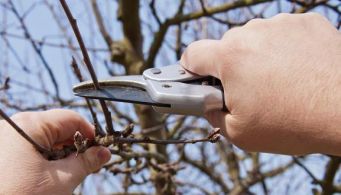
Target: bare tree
(40, 58)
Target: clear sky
(17, 53)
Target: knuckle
(255, 22)
(196, 46)
(317, 20)
(70, 113)
(282, 16)
(64, 111)
(233, 32)
(312, 15)
(239, 41)
(24, 116)
(190, 50)
(74, 114)
(233, 38)
(193, 45)
(235, 44)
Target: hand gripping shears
(169, 89)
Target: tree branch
(328, 180)
(101, 26)
(37, 146)
(129, 15)
(36, 49)
(130, 155)
(216, 178)
(179, 18)
(154, 12)
(49, 44)
(297, 161)
(82, 144)
(88, 63)
(77, 72)
(250, 181)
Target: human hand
(282, 83)
(25, 171)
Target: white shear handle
(175, 86)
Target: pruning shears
(169, 89)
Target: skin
(25, 171)
(282, 82)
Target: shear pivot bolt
(182, 71)
(166, 86)
(204, 83)
(155, 71)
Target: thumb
(72, 170)
(202, 57)
(205, 57)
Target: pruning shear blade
(169, 89)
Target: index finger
(54, 126)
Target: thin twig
(87, 61)
(49, 154)
(130, 155)
(38, 147)
(332, 168)
(179, 18)
(15, 54)
(82, 143)
(101, 26)
(154, 12)
(98, 127)
(107, 116)
(6, 85)
(298, 162)
(49, 44)
(78, 35)
(37, 49)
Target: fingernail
(103, 155)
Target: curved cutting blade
(122, 89)
(121, 94)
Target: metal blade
(120, 94)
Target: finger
(217, 120)
(222, 120)
(54, 126)
(72, 170)
(201, 57)
(63, 124)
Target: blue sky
(42, 26)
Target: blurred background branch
(122, 37)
